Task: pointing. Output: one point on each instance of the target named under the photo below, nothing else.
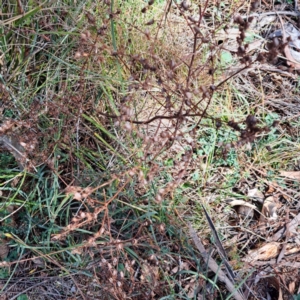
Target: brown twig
(271, 13)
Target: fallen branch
(271, 13)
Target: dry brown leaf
(266, 252)
(77, 250)
(286, 197)
(291, 249)
(256, 195)
(183, 266)
(291, 54)
(291, 174)
(244, 209)
(272, 186)
(292, 286)
(241, 202)
(245, 212)
(263, 21)
(150, 274)
(39, 262)
(190, 288)
(269, 208)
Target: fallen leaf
(263, 21)
(294, 33)
(241, 202)
(269, 208)
(244, 209)
(39, 262)
(266, 252)
(291, 174)
(292, 286)
(291, 249)
(271, 188)
(256, 195)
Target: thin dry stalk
(214, 266)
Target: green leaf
(226, 58)
(22, 297)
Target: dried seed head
(120, 246)
(185, 5)
(164, 134)
(152, 257)
(83, 37)
(239, 20)
(77, 55)
(115, 261)
(158, 198)
(88, 34)
(127, 126)
(90, 17)
(162, 228)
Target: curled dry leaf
(264, 21)
(244, 209)
(291, 249)
(291, 50)
(271, 188)
(241, 202)
(269, 208)
(245, 212)
(292, 287)
(294, 34)
(266, 252)
(256, 195)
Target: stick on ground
(214, 266)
